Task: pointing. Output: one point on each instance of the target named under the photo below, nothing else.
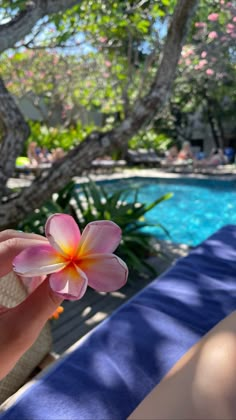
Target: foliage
(61, 88)
(206, 73)
(104, 59)
(101, 56)
(52, 137)
(150, 140)
(95, 202)
(208, 62)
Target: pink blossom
(213, 17)
(203, 54)
(29, 73)
(55, 60)
(222, 2)
(230, 28)
(233, 35)
(200, 24)
(103, 39)
(106, 75)
(187, 53)
(210, 72)
(234, 19)
(188, 62)
(229, 4)
(213, 35)
(202, 63)
(74, 261)
(108, 63)
(68, 107)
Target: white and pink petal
(63, 234)
(70, 283)
(105, 272)
(38, 260)
(102, 236)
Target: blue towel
(109, 374)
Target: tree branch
(18, 27)
(96, 144)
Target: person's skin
(201, 385)
(21, 325)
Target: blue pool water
(197, 209)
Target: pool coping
(136, 172)
(155, 173)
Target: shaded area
(128, 354)
(79, 317)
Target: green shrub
(150, 140)
(94, 202)
(52, 137)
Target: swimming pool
(197, 209)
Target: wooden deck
(79, 317)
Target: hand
(21, 325)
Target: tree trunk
(211, 120)
(15, 133)
(97, 144)
(220, 126)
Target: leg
(202, 384)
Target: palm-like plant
(94, 202)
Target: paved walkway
(226, 172)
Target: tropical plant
(94, 202)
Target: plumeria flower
(74, 261)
